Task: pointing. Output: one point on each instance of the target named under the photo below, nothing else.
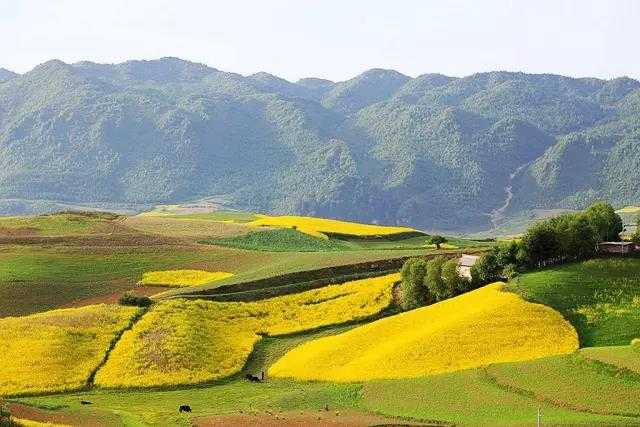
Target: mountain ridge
(435, 152)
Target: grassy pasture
(574, 382)
(468, 397)
(186, 228)
(280, 240)
(61, 224)
(600, 297)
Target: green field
(600, 297)
(75, 259)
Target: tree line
(565, 238)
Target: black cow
(184, 408)
(86, 402)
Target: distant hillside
(433, 152)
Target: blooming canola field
(187, 342)
(319, 226)
(481, 327)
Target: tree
(453, 282)
(635, 237)
(413, 292)
(605, 220)
(437, 240)
(434, 281)
(541, 243)
(486, 270)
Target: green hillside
(433, 152)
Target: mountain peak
(7, 75)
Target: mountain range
(434, 152)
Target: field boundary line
(544, 399)
(114, 341)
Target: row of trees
(426, 282)
(568, 237)
(565, 238)
(636, 236)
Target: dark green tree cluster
(636, 236)
(426, 282)
(565, 238)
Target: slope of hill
(475, 329)
(433, 152)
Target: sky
(333, 39)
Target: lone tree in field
(437, 240)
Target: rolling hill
(432, 152)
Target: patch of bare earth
(24, 412)
(301, 419)
(186, 228)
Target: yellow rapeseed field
(180, 278)
(56, 350)
(318, 226)
(186, 342)
(475, 329)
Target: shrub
(510, 271)
(486, 270)
(135, 300)
(635, 342)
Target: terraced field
(493, 356)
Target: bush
(413, 292)
(635, 343)
(453, 282)
(135, 300)
(510, 271)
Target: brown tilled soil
(301, 419)
(58, 417)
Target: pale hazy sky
(334, 39)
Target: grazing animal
(184, 408)
(252, 378)
(86, 402)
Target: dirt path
(24, 412)
(302, 419)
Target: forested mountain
(434, 152)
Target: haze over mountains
(434, 152)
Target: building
(465, 263)
(616, 247)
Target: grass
(469, 397)
(190, 228)
(600, 297)
(624, 357)
(280, 240)
(38, 278)
(190, 342)
(61, 224)
(57, 350)
(475, 329)
(573, 382)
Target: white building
(465, 263)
